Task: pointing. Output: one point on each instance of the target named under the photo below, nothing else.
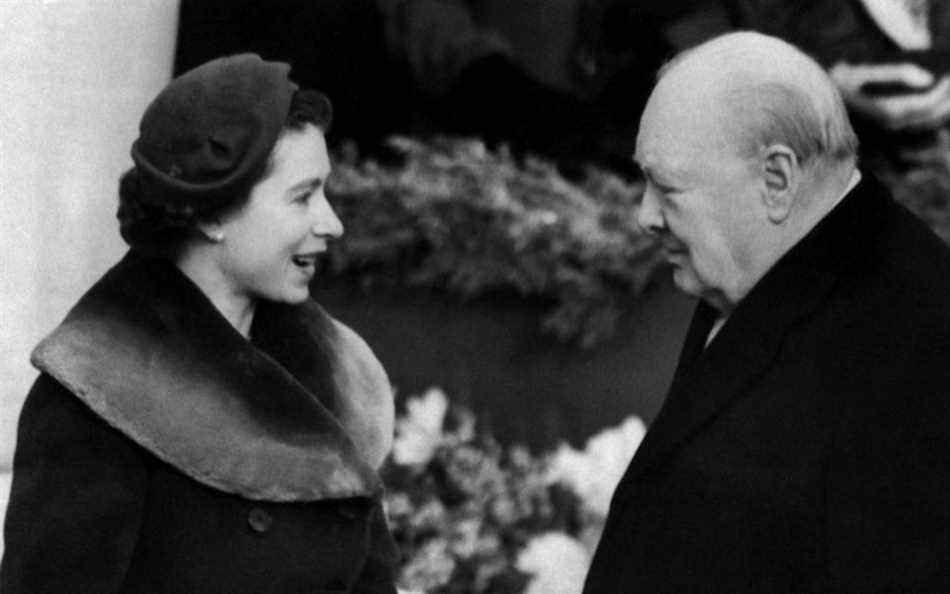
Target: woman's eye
(302, 198)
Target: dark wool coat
(161, 452)
(807, 448)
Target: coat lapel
(706, 381)
(694, 344)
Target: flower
(557, 563)
(419, 433)
(594, 473)
(430, 567)
(398, 506)
(474, 516)
(464, 541)
(472, 471)
(430, 515)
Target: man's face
(702, 198)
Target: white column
(75, 76)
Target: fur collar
(302, 412)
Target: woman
(200, 425)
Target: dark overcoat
(161, 452)
(807, 447)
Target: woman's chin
(297, 297)
(290, 295)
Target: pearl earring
(216, 236)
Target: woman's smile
(307, 261)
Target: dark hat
(211, 130)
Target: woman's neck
(237, 308)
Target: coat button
(260, 520)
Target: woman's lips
(306, 260)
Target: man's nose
(325, 221)
(650, 215)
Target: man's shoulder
(897, 284)
(892, 271)
(912, 252)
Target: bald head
(745, 145)
(760, 91)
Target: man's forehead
(671, 130)
(688, 120)
(661, 159)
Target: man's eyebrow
(668, 174)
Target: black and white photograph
(475, 296)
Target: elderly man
(804, 445)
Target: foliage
(456, 217)
(474, 517)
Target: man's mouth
(674, 249)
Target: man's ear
(213, 231)
(780, 170)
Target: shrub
(456, 217)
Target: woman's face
(271, 244)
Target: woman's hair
(153, 224)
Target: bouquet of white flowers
(473, 516)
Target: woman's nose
(650, 216)
(325, 221)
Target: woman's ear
(780, 169)
(212, 231)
